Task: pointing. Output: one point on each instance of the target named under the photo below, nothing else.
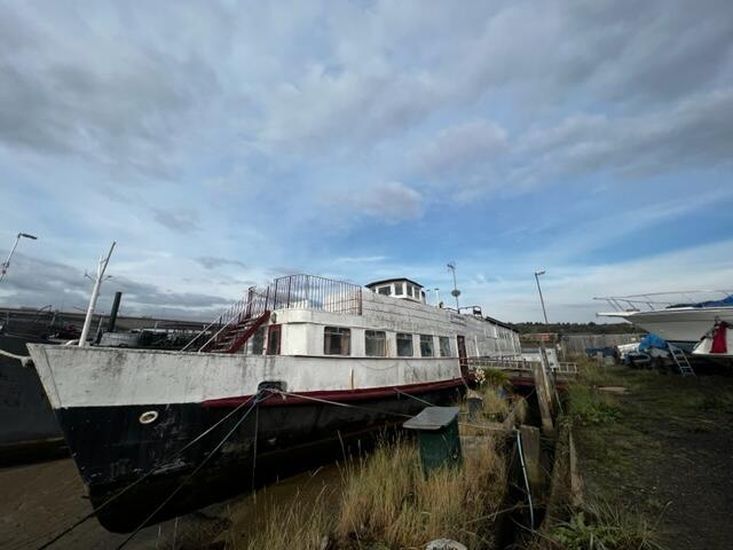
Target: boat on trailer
(305, 360)
(682, 318)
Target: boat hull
(685, 326)
(28, 427)
(274, 440)
(129, 415)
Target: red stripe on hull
(341, 396)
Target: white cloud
(266, 127)
(461, 146)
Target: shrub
(602, 526)
(589, 407)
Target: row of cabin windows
(337, 341)
(400, 290)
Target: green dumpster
(437, 435)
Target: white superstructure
(316, 335)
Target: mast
(101, 268)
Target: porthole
(148, 417)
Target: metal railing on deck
(313, 292)
(518, 364)
(653, 301)
(291, 292)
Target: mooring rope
(21, 358)
(145, 476)
(336, 403)
(198, 468)
(399, 391)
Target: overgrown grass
(297, 524)
(496, 378)
(386, 502)
(389, 501)
(603, 526)
(590, 373)
(587, 406)
(495, 407)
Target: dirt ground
(666, 450)
(40, 500)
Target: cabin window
(375, 343)
(404, 345)
(384, 290)
(426, 346)
(336, 341)
(258, 341)
(399, 289)
(444, 346)
(273, 340)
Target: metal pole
(539, 289)
(455, 292)
(101, 268)
(115, 310)
(6, 264)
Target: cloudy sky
(222, 144)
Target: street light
(455, 292)
(6, 264)
(539, 289)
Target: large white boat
(681, 318)
(304, 360)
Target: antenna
(455, 292)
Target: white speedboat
(681, 318)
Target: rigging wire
(198, 468)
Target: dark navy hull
(28, 426)
(113, 449)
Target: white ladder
(680, 359)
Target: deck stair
(231, 330)
(233, 337)
(680, 359)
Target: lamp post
(6, 264)
(539, 289)
(455, 292)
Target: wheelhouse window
(273, 340)
(336, 341)
(384, 290)
(375, 343)
(404, 345)
(399, 289)
(444, 346)
(426, 346)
